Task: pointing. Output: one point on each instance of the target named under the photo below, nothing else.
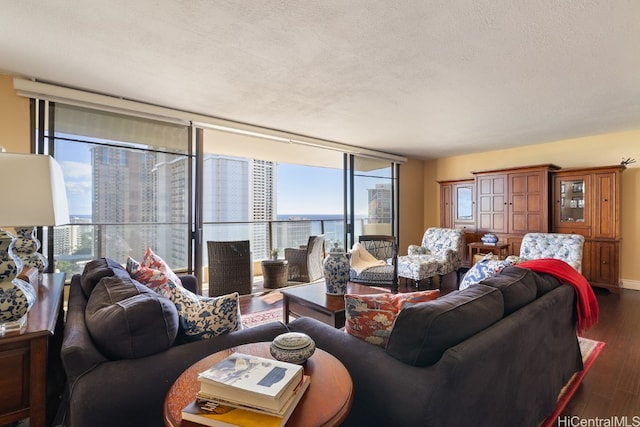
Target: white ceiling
(420, 78)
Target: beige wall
(14, 118)
(598, 150)
(412, 210)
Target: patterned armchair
(440, 253)
(566, 247)
(382, 248)
(305, 263)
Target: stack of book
(245, 390)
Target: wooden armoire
(542, 198)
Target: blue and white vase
(26, 248)
(10, 265)
(16, 299)
(336, 272)
(16, 296)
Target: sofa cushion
(545, 283)
(517, 285)
(127, 320)
(95, 270)
(370, 317)
(423, 332)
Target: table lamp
(34, 196)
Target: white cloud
(76, 171)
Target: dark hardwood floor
(611, 389)
(612, 386)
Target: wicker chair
(230, 267)
(382, 248)
(305, 263)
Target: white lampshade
(33, 191)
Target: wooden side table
(326, 402)
(500, 249)
(24, 356)
(275, 273)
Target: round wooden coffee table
(326, 402)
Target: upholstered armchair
(566, 247)
(440, 253)
(384, 249)
(305, 263)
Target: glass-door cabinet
(573, 207)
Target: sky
(305, 190)
(300, 189)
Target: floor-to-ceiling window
(134, 183)
(372, 197)
(273, 193)
(127, 182)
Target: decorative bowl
(292, 347)
(489, 238)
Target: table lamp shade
(34, 191)
(34, 195)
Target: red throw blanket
(587, 305)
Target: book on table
(221, 414)
(249, 380)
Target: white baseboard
(630, 284)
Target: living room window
(135, 182)
(127, 184)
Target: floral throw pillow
(485, 268)
(371, 317)
(154, 279)
(200, 317)
(154, 261)
(206, 317)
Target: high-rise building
(380, 204)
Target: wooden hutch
(542, 198)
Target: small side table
(25, 359)
(275, 273)
(500, 249)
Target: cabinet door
(604, 263)
(463, 205)
(446, 207)
(528, 202)
(605, 205)
(492, 203)
(572, 204)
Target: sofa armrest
(417, 250)
(79, 355)
(375, 373)
(190, 282)
(132, 392)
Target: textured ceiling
(421, 78)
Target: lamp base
(26, 248)
(10, 264)
(16, 299)
(16, 325)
